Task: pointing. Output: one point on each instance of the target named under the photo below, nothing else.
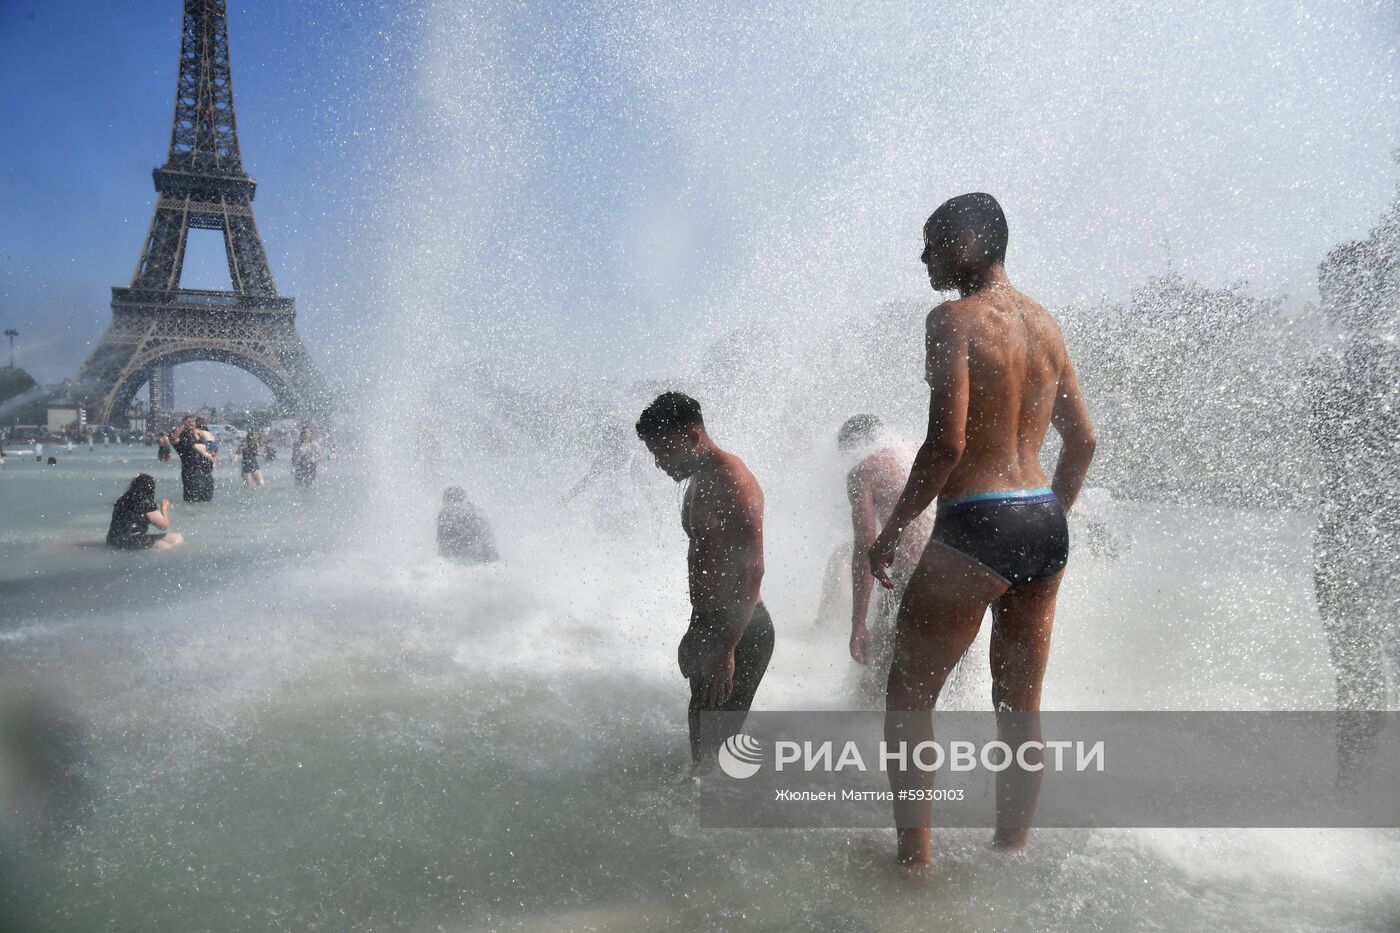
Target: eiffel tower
(156, 324)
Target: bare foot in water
(915, 845)
(1011, 841)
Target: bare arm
(863, 531)
(946, 347)
(833, 593)
(161, 517)
(1071, 419)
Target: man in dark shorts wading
(726, 649)
(999, 376)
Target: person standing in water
(248, 452)
(999, 376)
(872, 487)
(726, 649)
(196, 464)
(306, 453)
(1354, 419)
(135, 512)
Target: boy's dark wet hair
(669, 413)
(454, 495)
(976, 210)
(202, 423)
(858, 431)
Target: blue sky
(603, 187)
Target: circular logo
(741, 756)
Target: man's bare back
(998, 377)
(1015, 361)
(722, 516)
(881, 477)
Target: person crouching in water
(134, 512)
(464, 534)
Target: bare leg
(1021, 623)
(938, 619)
(258, 477)
(836, 591)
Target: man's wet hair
(977, 210)
(669, 413)
(454, 495)
(858, 431)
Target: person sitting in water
(134, 512)
(464, 534)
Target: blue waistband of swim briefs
(978, 500)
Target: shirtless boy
(872, 487)
(999, 376)
(725, 651)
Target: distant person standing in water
(306, 453)
(999, 376)
(873, 485)
(1354, 419)
(135, 512)
(726, 649)
(164, 453)
(464, 534)
(252, 470)
(196, 463)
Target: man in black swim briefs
(999, 376)
(726, 649)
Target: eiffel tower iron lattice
(156, 324)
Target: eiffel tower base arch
(139, 342)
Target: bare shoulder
(1046, 327)
(952, 317)
(736, 475)
(860, 475)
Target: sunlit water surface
(303, 719)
